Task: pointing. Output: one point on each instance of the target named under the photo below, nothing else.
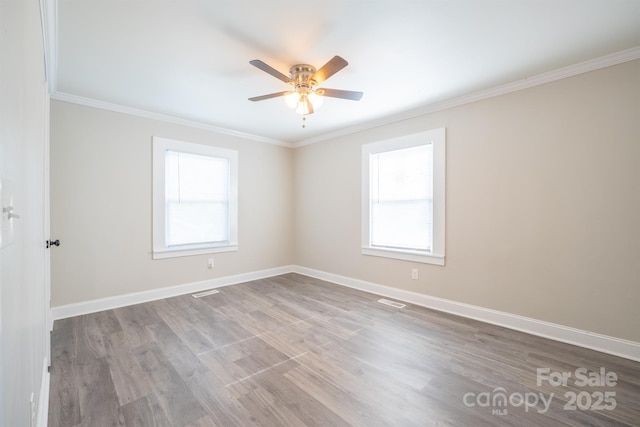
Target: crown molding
(540, 79)
(89, 102)
(529, 82)
(49, 24)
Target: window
(403, 206)
(195, 199)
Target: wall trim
(526, 83)
(43, 398)
(49, 24)
(591, 340)
(116, 108)
(602, 343)
(109, 303)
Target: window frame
(160, 249)
(436, 255)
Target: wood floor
(297, 351)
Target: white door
(47, 229)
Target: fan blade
(309, 106)
(329, 69)
(270, 70)
(337, 93)
(269, 96)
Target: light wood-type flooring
(296, 351)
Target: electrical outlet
(211, 263)
(414, 273)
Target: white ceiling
(190, 58)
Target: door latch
(53, 243)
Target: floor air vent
(205, 293)
(391, 303)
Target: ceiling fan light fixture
(304, 106)
(292, 99)
(303, 100)
(305, 96)
(316, 99)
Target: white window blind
(402, 198)
(197, 199)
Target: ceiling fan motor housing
(301, 76)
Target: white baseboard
(603, 343)
(43, 399)
(93, 306)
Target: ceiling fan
(305, 95)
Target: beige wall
(543, 204)
(101, 206)
(543, 200)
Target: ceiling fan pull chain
(304, 119)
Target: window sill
(415, 256)
(173, 253)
